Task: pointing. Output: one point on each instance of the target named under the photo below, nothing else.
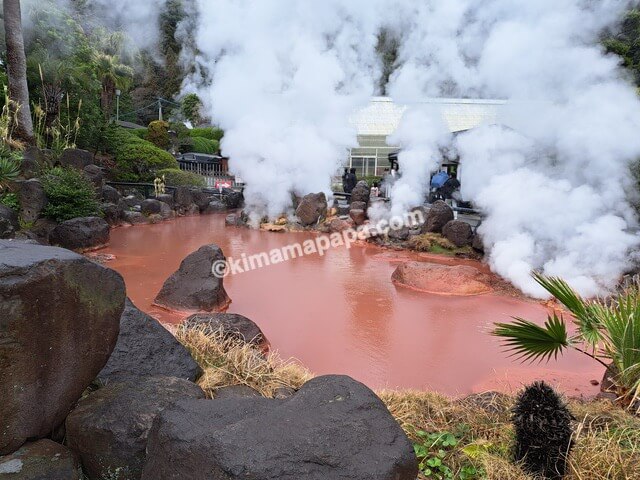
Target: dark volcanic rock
(231, 325)
(401, 234)
(33, 160)
(76, 158)
(232, 199)
(478, 244)
(134, 218)
(110, 194)
(457, 232)
(81, 233)
(438, 216)
(95, 175)
(332, 428)
(183, 196)
(361, 193)
(151, 207)
(109, 428)
(358, 216)
(312, 208)
(147, 349)
(166, 198)
(111, 213)
(215, 206)
(234, 220)
(32, 200)
(41, 230)
(194, 286)
(41, 460)
(9, 223)
(201, 199)
(236, 391)
(358, 206)
(59, 321)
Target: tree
(113, 75)
(17, 72)
(608, 331)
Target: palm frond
(529, 341)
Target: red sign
(223, 184)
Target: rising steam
(282, 76)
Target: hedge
(69, 195)
(177, 178)
(204, 145)
(141, 133)
(136, 160)
(209, 133)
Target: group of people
(349, 180)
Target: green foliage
(204, 145)
(607, 331)
(175, 177)
(69, 195)
(158, 134)
(10, 200)
(136, 160)
(9, 170)
(626, 43)
(191, 106)
(207, 132)
(371, 179)
(432, 452)
(141, 133)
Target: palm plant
(607, 331)
(113, 75)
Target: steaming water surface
(342, 314)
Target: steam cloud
(282, 76)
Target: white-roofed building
(382, 116)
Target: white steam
(282, 77)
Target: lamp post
(118, 93)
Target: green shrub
(136, 160)
(158, 134)
(69, 195)
(177, 178)
(204, 145)
(209, 133)
(10, 200)
(141, 133)
(371, 179)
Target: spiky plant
(543, 430)
(608, 332)
(9, 168)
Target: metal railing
(146, 189)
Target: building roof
(382, 116)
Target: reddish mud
(341, 313)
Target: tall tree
(113, 75)
(17, 72)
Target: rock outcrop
(147, 349)
(361, 193)
(332, 428)
(76, 158)
(230, 325)
(109, 428)
(194, 286)
(110, 194)
(312, 208)
(41, 460)
(60, 316)
(81, 233)
(458, 232)
(437, 217)
(442, 279)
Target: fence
(212, 172)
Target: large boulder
(442, 279)
(215, 206)
(166, 198)
(478, 244)
(59, 321)
(194, 286)
(76, 158)
(361, 193)
(358, 206)
(312, 208)
(183, 197)
(95, 175)
(332, 428)
(201, 199)
(111, 213)
(134, 218)
(458, 232)
(437, 217)
(358, 216)
(32, 200)
(110, 194)
(81, 233)
(232, 199)
(151, 207)
(9, 222)
(109, 427)
(33, 160)
(41, 460)
(146, 349)
(230, 325)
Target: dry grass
(427, 241)
(607, 439)
(227, 361)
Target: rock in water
(332, 428)
(312, 208)
(458, 232)
(109, 428)
(81, 233)
(442, 279)
(41, 460)
(437, 217)
(151, 206)
(147, 349)
(194, 286)
(59, 321)
(231, 325)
